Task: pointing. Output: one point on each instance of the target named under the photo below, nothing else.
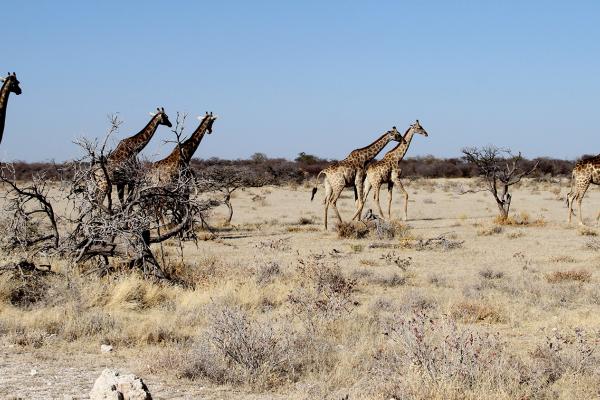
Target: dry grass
(471, 312)
(522, 219)
(569, 276)
(437, 311)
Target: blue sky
(313, 76)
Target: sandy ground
(266, 228)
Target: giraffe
(122, 160)
(585, 172)
(351, 171)
(170, 168)
(387, 170)
(10, 85)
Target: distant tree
(500, 169)
(259, 157)
(308, 159)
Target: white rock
(33, 372)
(111, 385)
(106, 348)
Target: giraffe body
(351, 172)
(585, 172)
(122, 161)
(10, 85)
(387, 170)
(169, 169)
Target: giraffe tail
(314, 189)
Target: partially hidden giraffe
(584, 173)
(351, 172)
(387, 170)
(121, 163)
(169, 169)
(10, 85)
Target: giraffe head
(417, 128)
(12, 83)
(394, 135)
(163, 118)
(211, 120)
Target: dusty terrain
(525, 289)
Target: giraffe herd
(357, 170)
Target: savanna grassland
(450, 304)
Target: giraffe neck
(132, 146)
(4, 92)
(398, 152)
(366, 154)
(141, 139)
(187, 149)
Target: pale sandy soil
(266, 229)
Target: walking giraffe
(121, 162)
(351, 172)
(585, 172)
(387, 170)
(10, 85)
(169, 169)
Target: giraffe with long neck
(351, 172)
(387, 170)
(170, 168)
(121, 162)
(585, 172)
(10, 85)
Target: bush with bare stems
(95, 229)
(500, 169)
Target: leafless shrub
(560, 354)
(441, 353)
(226, 179)
(489, 273)
(256, 352)
(499, 169)
(267, 272)
(324, 293)
(94, 232)
(281, 244)
(305, 221)
(593, 244)
(23, 284)
(441, 242)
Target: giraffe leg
(570, 206)
(405, 193)
(359, 182)
(580, 193)
(390, 193)
(327, 200)
(377, 188)
(366, 190)
(336, 192)
(579, 201)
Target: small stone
(106, 348)
(33, 372)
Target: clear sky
(323, 77)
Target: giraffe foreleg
(377, 188)
(366, 190)
(390, 194)
(359, 182)
(398, 182)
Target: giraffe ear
(200, 117)
(2, 79)
(152, 114)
